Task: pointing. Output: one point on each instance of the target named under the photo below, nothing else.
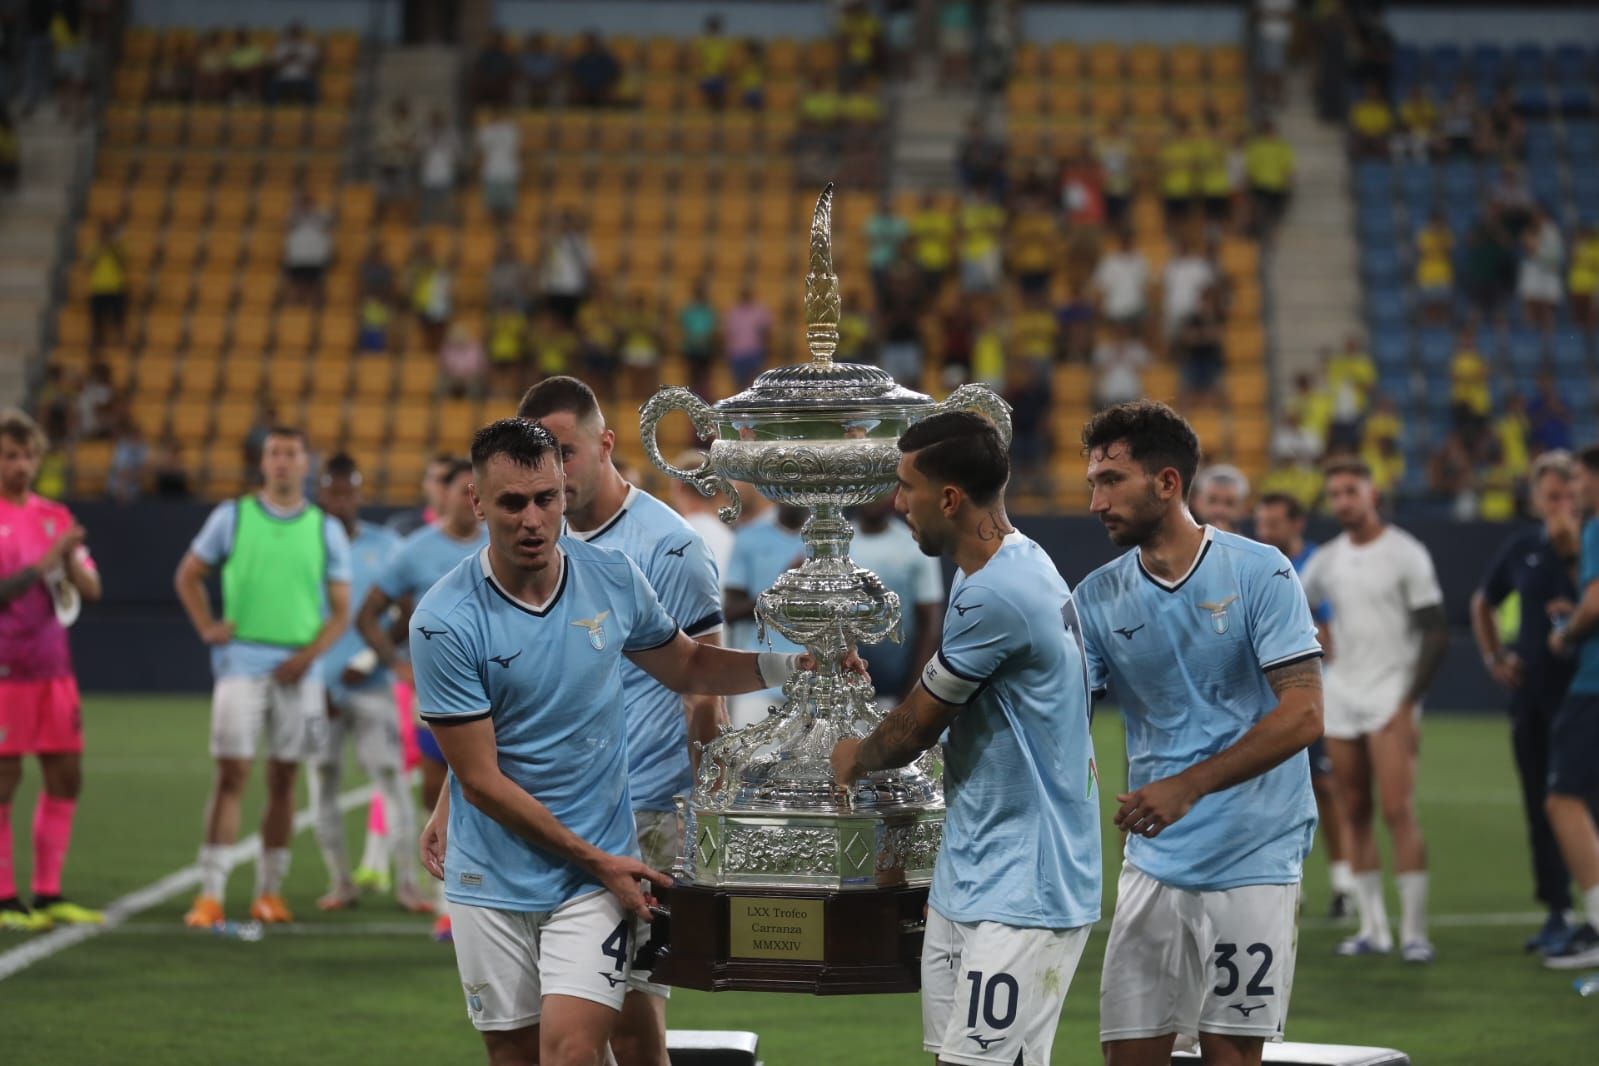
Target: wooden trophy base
(822, 941)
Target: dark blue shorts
(428, 746)
(1574, 747)
(1320, 761)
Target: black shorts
(1320, 761)
(1574, 747)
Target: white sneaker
(1361, 945)
(1418, 951)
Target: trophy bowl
(785, 881)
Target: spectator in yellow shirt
(933, 241)
(1214, 176)
(752, 76)
(1418, 120)
(1034, 332)
(1469, 397)
(1033, 244)
(1583, 278)
(1350, 375)
(1269, 166)
(1511, 431)
(1382, 423)
(108, 288)
(1435, 269)
(1387, 463)
(1371, 123)
(1311, 406)
(981, 222)
(713, 56)
(1177, 167)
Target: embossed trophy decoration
(785, 883)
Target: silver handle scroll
(704, 479)
(981, 399)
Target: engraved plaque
(766, 927)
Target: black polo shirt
(1528, 564)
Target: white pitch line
(173, 884)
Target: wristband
(776, 667)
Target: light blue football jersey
(550, 679)
(370, 550)
(680, 569)
(762, 550)
(1021, 829)
(424, 557)
(1187, 663)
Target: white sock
(1342, 876)
(1412, 906)
(1590, 903)
(324, 783)
(400, 810)
(213, 870)
(1373, 911)
(270, 871)
(375, 855)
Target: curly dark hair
(1156, 437)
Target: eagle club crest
(473, 999)
(596, 628)
(1218, 613)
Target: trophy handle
(705, 480)
(981, 399)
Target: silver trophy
(820, 435)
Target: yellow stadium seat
(230, 208)
(1025, 97)
(241, 374)
(662, 55)
(150, 415)
(410, 426)
(191, 421)
(139, 45)
(324, 421)
(1240, 258)
(374, 378)
(208, 331)
(163, 332)
(206, 126)
(341, 49)
(337, 90)
(782, 57)
(1107, 101)
(419, 376)
(1226, 63)
(1144, 63)
(198, 375)
(1065, 61)
(328, 127)
(369, 423)
(1147, 101)
(287, 131)
(1247, 389)
(245, 126)
(336, 332)
(1067, 98)
(123, 124)
(105, 202)
(1244, 343)
(1105, 62)
(163, 126)
(1184, 63)
(213, 289)
(402, 473)
(457, 421)
(155, 375)
(293, 330)
(1029, 61)
(234, 419)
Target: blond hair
(16, 425)
(1556, 461)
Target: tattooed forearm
(894, 743)
(1434, 645)
(994, 526)
(1305, 674)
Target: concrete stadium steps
(30, 235)
(928, 124)
(1313, 266)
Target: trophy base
(824, 942)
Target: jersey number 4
(615, 945)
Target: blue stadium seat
(1526, 350)
(1436, 347)
(1571, 64)
(1582, 141)
(1527, 64)
(1544, 179)
(1373, 175)
(1385, 308)
(1438, 387)
(1488, 62)
(1445, 64)
(1416, 179)
(1380, 265)
(1576, 100)
(1488, 345)
(1396, 385)
(1390, 350)
(1533, 99)
(1460, 178)
(1377, 227)
(1571, 351)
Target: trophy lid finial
(822, 303)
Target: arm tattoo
(994, 526)
(14, 585)
(1306, 674)
(1434, 645)
(894, 743)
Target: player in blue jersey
(420, 560)
(517, 654)
(603, 509)
(1280, 522)
(1017, 883)
(763, 548)
(361, 705)
(1205, 641)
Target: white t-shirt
(718, 539)
(1187, 278)
(309, 241)
(1371, 590)
(441, 151)
(295, 60)
(1121, 278)
(918, 579)
(500, 145)
(1121, 370)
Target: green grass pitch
(359, 988)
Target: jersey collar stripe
(1204, 550)
(456, 719)
(610, 523)
(709, 624)
(1290, 660)
(526, 608)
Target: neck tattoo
(993, 526)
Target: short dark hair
(960, 448)
(520, 440)
(1589, 458)
(1290, 504)
(1348, 464)
(442, 457)
(557, 394)
(291, 432)
(341, 464)
(454, 467)
(1155, 435)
